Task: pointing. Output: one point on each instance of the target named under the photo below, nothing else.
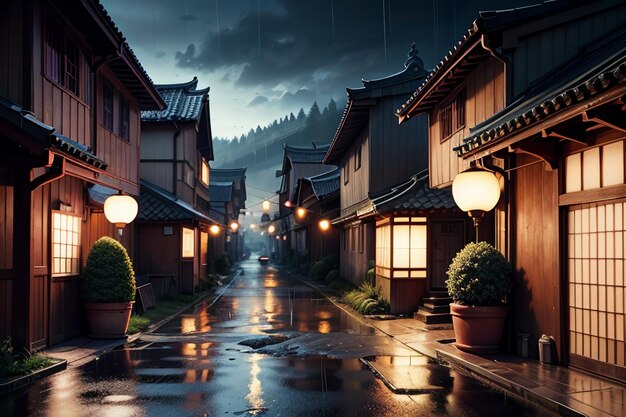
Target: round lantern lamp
(476, 191)
(300, 213)
(120, 209)
(234, 226)
(214, 229)
(271, 229)
(324, 225)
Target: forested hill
(261, 150)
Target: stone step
(436, 308)
(438, 301)
(432, 318)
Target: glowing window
(204, 174)
(189, 240)
(65, 243)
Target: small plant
(479, 275)
(371, 271)
(108, 276)
(12, 364)
(209, 283)
(320, 269)
(367, 299)
(222, 264)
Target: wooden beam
(605, 119)
(547, 151)
(563, 136)
(587, 196)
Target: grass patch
(367, 299)
(165, 307)
(12, 364)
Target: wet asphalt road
(196, 366)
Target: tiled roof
(220, 191)
(158, 204)
(357, 111)
(305, 155)
(184, 102)
(486, 21)
(93, 22)
(228, 174)
(592, 72)
(46, 136)
(324, 185)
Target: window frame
(184, 251)
(108, 112)
(357, 159)
(451, 116)
(123, 125)
(75, 261)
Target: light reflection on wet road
(194, 366)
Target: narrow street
(270, 345)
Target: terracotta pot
(108, 320)
(478, 329)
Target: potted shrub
(108, 289)
(479, 278)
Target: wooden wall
(485, 96)
(538, 52)
(6, 259)
(395, 151)
(11, 50)
(159, 254)
(353, 264)
(535, 252)
(355, 191)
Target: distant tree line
(259, 146)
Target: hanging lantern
(324, 225)
(234, 226)
(271, 229)
(476, 191)
(214, 229)
(120, 209)
(300, 212)
(266, 205)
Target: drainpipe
(486, 44)
(175, 170)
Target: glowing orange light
(234, 226)
(271, 229)
(324, 225)
(288, 204)
(300, 212)
(214, 229)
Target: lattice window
(72, 67)
(189, 243)
(107, 105)
(596, 283)
(65, 243)
(124, 116)
(594, 168)
(452, 116)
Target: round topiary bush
(479, 275)
(108, 276)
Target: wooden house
(71, 90)
(228, 187)
(173, 226)
(316, 198)
(375, 156)
(298, 162)
(543, 90)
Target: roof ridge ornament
(413, 59)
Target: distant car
(264, 259)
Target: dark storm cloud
(187, 17)
(297, 41)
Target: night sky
(266, 58)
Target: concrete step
(432, 318)
(438, 301)
(435, 308)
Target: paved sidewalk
(561, 389)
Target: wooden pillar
(20, 317)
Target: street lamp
(476, 191)
(324, 225)
(120, 209)
(234, 226)
(300, 213)
(266, 205)
(271, 229)
(214, 229)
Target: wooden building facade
(228, 187)
(173, 227)
(298, 162)
(557, 136)
(376, 157)
(71, 91)
(316, 198)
